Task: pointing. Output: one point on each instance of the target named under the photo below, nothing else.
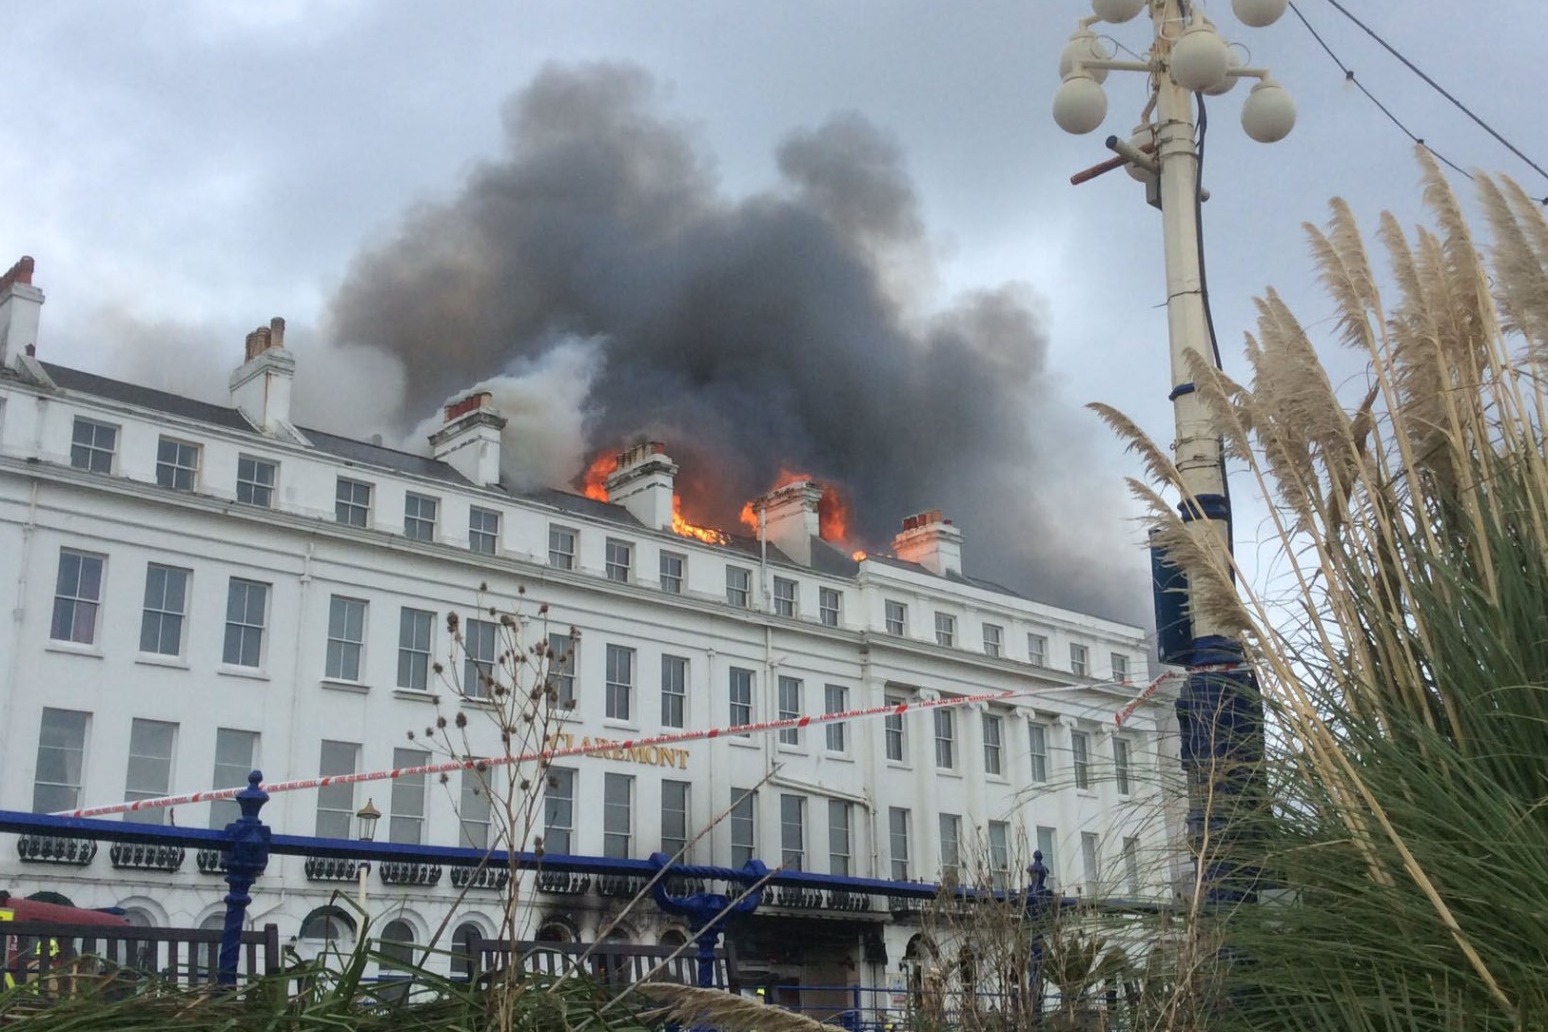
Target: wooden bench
(614, 964)
(54, 955)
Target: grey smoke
(775, 330)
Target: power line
(1349, 76)
(1388, 47)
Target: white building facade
(205, 589)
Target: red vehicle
(21, 952)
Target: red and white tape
(590, 747)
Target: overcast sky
(183, 170)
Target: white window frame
(562, 546)
(1037, 750)
(674, 567)
(1037, 649)
(741, 709)
(1048, 844)
(788, 692)
(898, 820)
(618, 703)
(840, 838)
(895, 617)
(416, 644)
(994, 640)
(742, 819)
(617, 815)
(480, 652)
(1122, 758)
(475, 810)
(945, 739)
(165, 612)
(62, 738)
(792, 832)
(619, 560)
(676, 819)
(177, 463)
(674, 691)
(241, 622)
(559, 810)
(1080, 759)
(835, 699)
(994, 744)
(563, 658)
(421, 514)
(88, 453)
(229, 773)
(945, 630)
(738, 586)
(1091, 860)
(77, 611)
(483, 530)
(1131, 867)
(786, 597)
(352, 502)
(951, 844)
(336, 802)
(152, 747)
(345, 659)
(1120, 665)
(406, 803)
(999, 854)
(251, 487)
(830, 606)
(895, 733)
(1080, 659)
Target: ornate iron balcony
(563, 883)
(622, 885)
(794, 896)
(140, 856)
(843, 899)
(480, 877)
(399, 873)
(331, 868)
(210, 861)
(56, 849)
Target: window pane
(617, 814)
(407, 821)
(336, 803)
(236, 754)
(559, 810)
(61, 757)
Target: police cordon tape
(588, 747)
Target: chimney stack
(930, 541)
(790, 518)
(643, 483)
(260, 387)
(469, 440)
(21, 307)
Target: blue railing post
(706, 911)
(247, 859)
(1040, 901)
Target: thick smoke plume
(774, 331)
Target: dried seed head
(462, 720)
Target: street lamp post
(365, 819)
(1218, 709)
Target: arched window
(462, 949)
(216, 922)
(672, 937)
(555, 931)
(397, 946)
(328, 924)
(139, 917)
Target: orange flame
(595, 481)
(681, 526)
(834, 515)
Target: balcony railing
(331, 868)
(486, 877)
(795, 896)
(563, 883)
(141, 856)
(622, 886)
(842, 899)
(395, 873)
(56, 849)
(210, 861)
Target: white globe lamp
(1258, 14)
(1269, 113)
(1080, 105)
(1200, 58)
(1117, 11)
(1084, 46)
(1144, 136)
(1233, 61)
